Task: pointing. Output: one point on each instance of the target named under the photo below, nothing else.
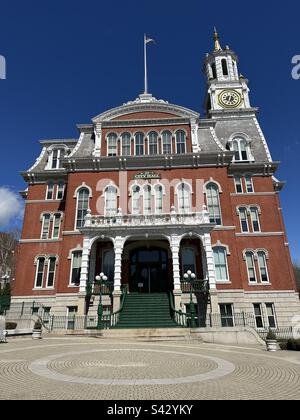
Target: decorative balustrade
(136, 220)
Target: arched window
(147, 199)
(60, 191)
(139, 144)
(39, 275)
(180, 142)
(255, 219)
(136, 191)
(153, 143)
(158, 190)
(263, 269)
(243, 219)
(220, 259)
(46, 226)
(111, 201)
(50, 191)
(56, 226)
(214, 70)
(251, 267)
(167, 142)
(108, 264)
(51, 272)
(83, 197)
(184, 198)
(126, 144)
(213, 203)
(112, 142)
(188, 260)
(224, 67)
(240, 148)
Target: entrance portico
(139, 255)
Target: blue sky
(67, 61)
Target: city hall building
(152, 193)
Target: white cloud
(11, 207)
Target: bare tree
(8, 248)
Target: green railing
(116, 315)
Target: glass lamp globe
(189, 273)
(186, 276)
(98, 278)
(193, 276)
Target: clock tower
(227, 90)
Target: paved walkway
(88, 368)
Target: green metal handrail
(178, 316)
(115, 315)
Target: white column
(211, 272)
(175, 246)
(119, 242)
(84, 275)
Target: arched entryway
(149, 270)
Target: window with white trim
(254, 214)
(51, 272)
(39, 275)
(271, 315)
(243, 219)
(75, 268)
(153, 143)
(139, 144)
(184, 198)
(111, 201)
(126, 144)
(45, 226)
(213, 203)
(147, 199)
(238, 181)
(226, 311)
(251, 267)
(221, 266)
(60, 191)
(180, 142)
(55, 157)
(50, 191)
(158, 191)
(56, 226)
(249, 184)
(258, 315)
(136, 191)
(263, 269)
(167, 142)
(240, 148)
(83, 197)
(112, 144)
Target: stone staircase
(147, 311)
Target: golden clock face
(230, 98)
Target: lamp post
(99, 280)
(190, 277)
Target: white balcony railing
(135, 220)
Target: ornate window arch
(126, 144)
(166, 142)
(180, 142)
(111, 200)
(139, 141)
(213, 202)
(112, 144)
(184, 197)
(240, 143)
(153, 143)
(82, 206)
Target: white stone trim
(217, 141)
(83, 185)
(212, 181)
(263, 139)
(39, 159)
(221, 245)
(78, 144)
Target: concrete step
(150, 334)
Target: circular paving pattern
(161, 369)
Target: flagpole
(145, 64)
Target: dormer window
(241, 150)
(55, 158)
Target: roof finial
(216, 40)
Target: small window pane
(213, 204)
(51, 271)
(112, 145)
(249, 184)
(243, 219)
(158, 199)
(220, 259)
(111, 201)
(147, 199)
(238, 184)
(82, 207)
(227, 315)
(40, 272)
(180, 142)
(258, 315)
(251, 267)
(126, 144)
(271, 315)
(136, 199)
(263, 267)
(50, 191)
(46, 226)
(60, 191)
(56, 226)
(184, 198)
(153, 143)
(139, 144)
(76, 268)
(167, 142)
(255, 219)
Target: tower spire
(217, 40)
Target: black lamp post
(190, 277)
(99, 280)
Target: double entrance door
(149, 271)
